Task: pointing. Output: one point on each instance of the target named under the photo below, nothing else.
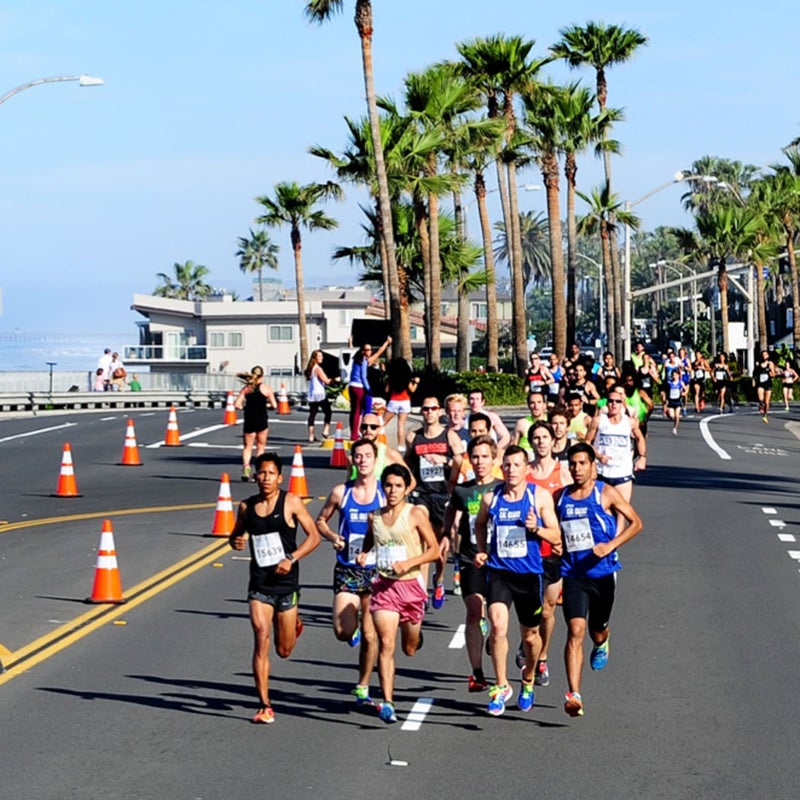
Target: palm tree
(321, 11)
(186, 284)
(601, 46)
(536, 262)
(294, 205)
(255, 253)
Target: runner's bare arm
(615, 503)
(332, 504)
(550, 531)
(480, 531)
(239, 533)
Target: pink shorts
(406, 598)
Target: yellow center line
(20, 661)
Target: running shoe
(361, 694)
(245, 474)
(526, 697)
(457, 582)
(573, 704)
(438, 596)
(498, 697)
(599, 656)
(265, 717)
(542, 675)
(484, 626)
(519, 656)
(355, 639)
(764, 419)
(474, 685)
(386, 712)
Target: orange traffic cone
(107, 587)
(67, 487)
(230, 411)
(297, 481)
(283, 401)
(130, 454)
(338, 456)
(223, 517)
(379, 409)
(173, 436)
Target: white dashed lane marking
(786, 537)
(458, 641)
(417, 715)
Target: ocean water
(23, 351)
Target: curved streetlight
(678, 177)
(672, 264)
(601, 313)
(83, 80)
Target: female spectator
(401, 383)
(317, 396)
(358, 387)
(116, 374)
(254, 398)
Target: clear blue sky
(208, 104)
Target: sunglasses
(430, 408)
(611, 400)
(368, 427)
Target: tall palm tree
(256, 252)
(294, 206)
(536, 263)
(186, 282)
(321, 11)
(600, 46)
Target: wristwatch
(291, 557)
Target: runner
(550, 474)
(637, 402)
(763, 373)
(370, 428)
(554, 388)
(647, 374)
(613, 436)
(722, 381)
(520, 516)
(254, 397)
(401, 537)
(460, 521)
(271, 519)
(789, 378)
(455, 406)
(700, 372)
(559, 419)
(537, 411)
(579, 420)
(591, 537)
(352, 584)
(675, 391)
(477, 402)
(538, 376)
(608, 369)
(433, 454)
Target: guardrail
(66, 401)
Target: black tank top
(271, 540)
(255, 406)
(431, 478)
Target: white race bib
(764, 377)
(389, 554)
(268, 549)
(674, 393)
(577, 534)
(355, 545)
(511, 541)
(430, 472)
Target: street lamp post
(83, 80)
(672, 264)
(602, 321)
(626, 276)
(51, 364)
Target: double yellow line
(18, 661)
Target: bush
(499, 388)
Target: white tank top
(615, 441)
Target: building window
(343, 317)
(478, 311)
(216, 339)
(281, 333)
(235, 339)
(414, 332)
(281, 372)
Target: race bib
(268, 549)
(577, 534)
(674, 393)
(699, 374)
(511, 541)
(720, 375)
(763, 377)
(389, 554)
(355, 545)
(430, 472)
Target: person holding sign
(270, 519)
(400, 538)
(519, 516)
(352, 584)
(588, 511)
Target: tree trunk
(462, 335)
(550, 177)
(570, 173)
(722, 283)
(795, 285)
(261, 287)
(763, 342)
(492, 330)
(435, 305)
(520, 322)
(607, 276)
(420, 217)
(297, 248)
(615, 344)
(502, 187)
(384, 270)
(363, 19)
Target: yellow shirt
(397, 542)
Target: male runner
(401, 536)
(477, 402)
(537, 408)
(433, 455)
(271, 519)
(520, 516)
(370, 427)
(460, 521)
(455, 406)
(587, 512)
(352, 584)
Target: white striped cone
(107, 587)
(130, 454)
(223, 517)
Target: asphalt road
(698, 699)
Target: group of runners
(532, 519)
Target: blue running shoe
(386, 713)
(355, 639)
(526, 697)
(498, 697)
(438, 596)
(361, 694)
(484, 624)
(599, 657)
